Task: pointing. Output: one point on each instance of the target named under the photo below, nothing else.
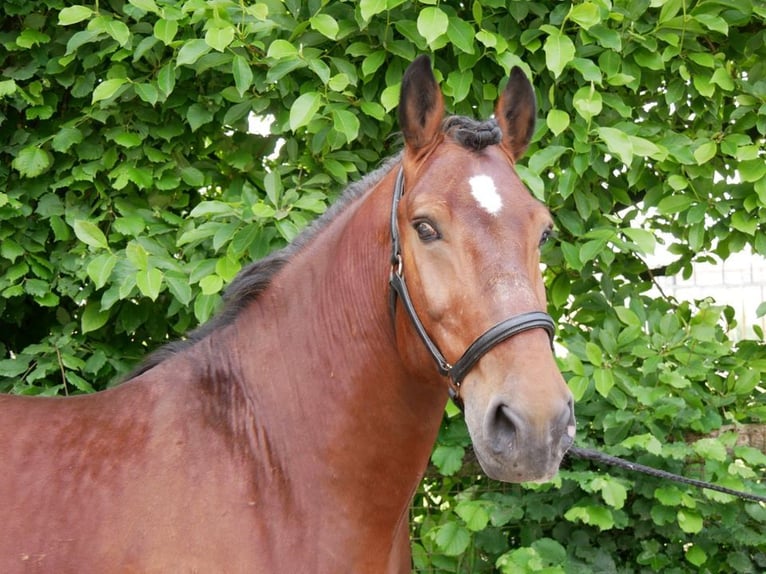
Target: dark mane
(256, 277)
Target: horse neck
(320, 366)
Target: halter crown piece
(494, 335)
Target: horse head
(467, 237)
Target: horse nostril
(566, 425)
(504, 427)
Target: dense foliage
(132, 189)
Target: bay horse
(289, 433)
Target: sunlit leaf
(304, 109)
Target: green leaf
(93, 318)
(612, 491)
(197, 116)
(74, 14)
(618, 143)
(627, 316)
(559, 51)
(127, 139)
(604, 381)
(705, 152)
(644, 239)
(432, 22)
(588, 102)
(7, 87)
(689, 521)
(100, 269)
(390, 96)
(674, 379)
(192, 176)
(452, 538)
(146, 5)
(594, 354)
(165, 30)
(744, 222)
(66, 138)
(205, 305)
(192, 51)
(137, 255)
(460, 84)
(448, 459)
(474, 513)
(579, 386)
(710, 448)
(545, 158)
(32, 161)
(713, 22)
(89, 233)
(594, 515)
(325, 25)
(147, 92)
(486, 38)
(372, 62)
(166, 79)
(557, 120)
(107, 89)
(211, 284)
(304, 108)
(11, 250)
(696, 555)
(149, 282)
(118, 31)
(722, 79)
(243, 75)
(12, 368)
(586, 14)
(592, 249)
(368, 8)
(346, 123)
(30, 38)
(746, 382)
(461, 34)
(179, 288)
(219, 38)
(282, 49)
(645, 441)
(674, 204)
(212, 208)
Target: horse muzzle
(513, 447)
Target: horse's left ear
(421, 106)
(515, 113)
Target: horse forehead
(485, 192)
(477, 184)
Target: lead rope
(622, 463)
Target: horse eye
(426, 231)
(547, 234)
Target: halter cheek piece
(476, 350)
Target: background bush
(132, 191)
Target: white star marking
(484, 191)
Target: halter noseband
(494, 335)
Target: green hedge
(132, 191)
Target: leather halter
(476, 350)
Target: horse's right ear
(421, 107)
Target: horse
(291, 431)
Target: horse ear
(515, 113)
(421, 107)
